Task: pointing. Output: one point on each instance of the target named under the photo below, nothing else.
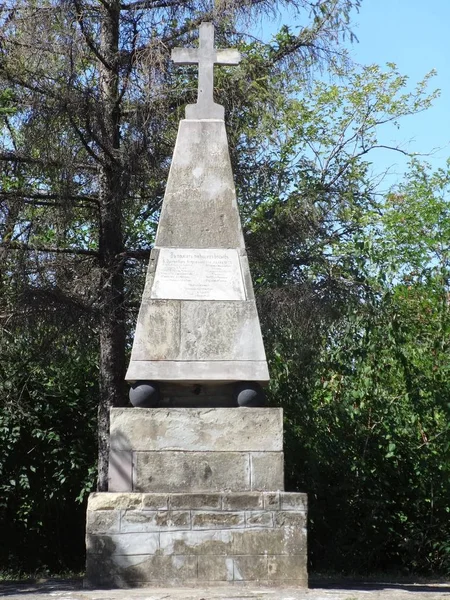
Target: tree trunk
(112, 319)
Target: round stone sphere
(145, 394)
(248, 393)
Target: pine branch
(49, 250)
(17, 158)
(45, 199)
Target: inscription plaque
(189, 274)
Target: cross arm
(185, 56)
(228, 57)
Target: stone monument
(196, 468)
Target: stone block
(135, 521)
(120, 471)
(197, 429)
(216, 330)
(283, 541)
(290, 518)
(123, 544)
(191, 471)
(211, 543)
(114, 501)
(293, 501)
(103, 521)
(218, 520)
(261, 518)
(195, 501)
(271, 500)
(267, 471)
(155, 502)
(244, 501)
(250, 568)
(215, 568)
(157, 332)
(203, 372)
(286, 568)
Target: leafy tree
(375, 449)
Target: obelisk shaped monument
(198, 321)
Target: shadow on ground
(17, 588)
(363, 586)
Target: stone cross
(206, 56)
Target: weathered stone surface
(250, 568)
(227, 501)
(285, 568)
(267, 470)
(120, 471)
(271, 500)
(293, 501)
(211, 543)
(198, 429)
(290, 518)
(283, 541)
(155, 502)
(112, 501)
(125, 546)
(199, 371)
(215, 568)
(227, 331)
(218, 519)
(103, 521)
(195, 501)
(130, 570)
(123, 543)
(200, 178)
(157, 334)
(243, 501)
(258, 519)
(133, 521)
(191, 471)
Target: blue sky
(415, 35)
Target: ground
(73, 590)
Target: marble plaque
(189, 274)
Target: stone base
(136, 540)
(196, 450)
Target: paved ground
(72, 590)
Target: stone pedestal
(196, 450)
(196, 497)
(184, 539)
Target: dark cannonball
(145, 394)
(248, 393)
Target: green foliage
(369, 434)
(47, 442)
